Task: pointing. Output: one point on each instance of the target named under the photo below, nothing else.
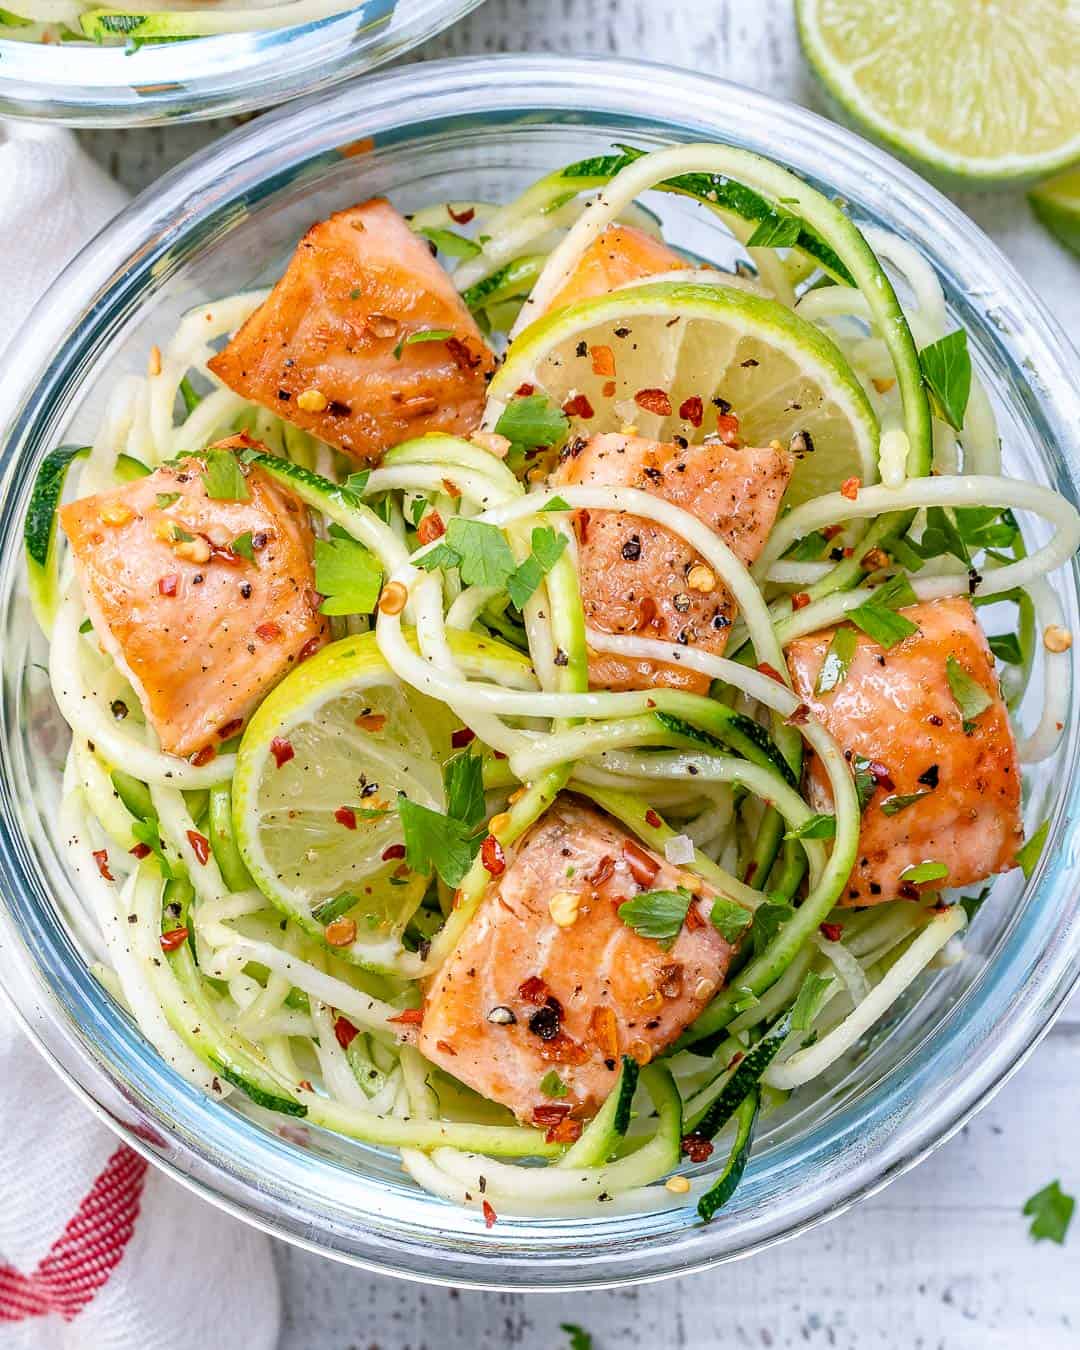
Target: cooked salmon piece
(895, 718)
(329, 348)
(201, 631)
(637, 577)
(522, 996)
(620, 255)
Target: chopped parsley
(547, 549)
(148, 833)
(877, 616)
(1050, 1211)
(434, 842)
(223, 477)
(463, 781)
(946, 372)
(424, 335)
(557, 504)
(769, 918)
(815, 827)
(838, 658)
(357, 482)
(971, 698)
(347, 574)
(1029, 855)
(242, 545)
(730, 920)
(454, 245)
(892, 806)
(971, 904)
(551, 1085)
(1006, 647)
(807, 549)
(808, 1001)
(657, 914)
(532, 422)
(478, 549)
(921, 874)
(579, 1337)
(165, 500)
(865, 782)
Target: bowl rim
(100, 280)
(219, 76)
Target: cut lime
(703, 351)
(1057, 204)
(976, 91)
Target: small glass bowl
(482, 128)
(90, 86)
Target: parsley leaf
(877, 616)
(347, 574)
(165, 500)
(531, 422)
(551, 1085)
(436, 842)
(1029, 855)
(449, 242)
(557, 504)
(547, 549)
(223, 479)
(919, 874)
(807, 549)
(243, 546)
(730, 920)
(971, 698)
(941, 536)
(779, 229)
(808, 1001)
(357, 482)
(485, 557)
(463, 779)
(1006, 647)
(424, 335)
(971, 904)
(1050, 1211)
(892, 806)
(656, 914)
(769, 918)
(865, 782)
(579, 1338)
(838, 658)
(816, 827)
(986, 526)
(442, 555)
(946, 371)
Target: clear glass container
(90, 86)
(482, 128)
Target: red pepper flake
(563, 1049)
(566, 1132)
(524, 390)
(430, 528)
(101, 857)
(608, 389)
(345, 1032)
(282, 751)
(582, 522)
(550, 1113)
(603, 361)
(203, 756)
(653, 401)
(849, 552)
(849, 488)
(692, 410)
(269, 632)
(371, 721)
(765, 669)
(463, 355)
(305, 1085)
(200, 846)
(642, 867)
(578, 406)
(880, 774)
(310, 647)
(696, 1147)
(799, 600)
(727, 428)
(799, 717)
(462, 737)
(492, 856)
(831, 531)
(167, 585)
(393, 851)
(498, 754)
(140, 851)
(489, 1215)
(461, 217)
(451, 489)
(603, 871)
(408, 1017)
(445, 1047)
(751, 868)
(651, 818)
(534, 990)
(346, 816)
(831, 932)
(173, 939)
(230, 728)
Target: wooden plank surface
(941, 1258)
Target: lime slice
(1057, 204)
(703, 348)
(974, 91)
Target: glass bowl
(90, 86)
(227, 219)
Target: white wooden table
(941, 1259)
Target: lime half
(1057, 204)
(977, 90)
(671, 358)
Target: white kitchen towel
(98, 1251)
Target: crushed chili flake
(203, 756)
(534, 990)
(764, 668)
(653, 401)
(393, 851)
(567, 1131)
(200, 846)
(524, 390)
(173, 939)
(167, 585)
(345, 815)
(445, 1047)
(489, 1215)
(463, 355)
(608, 389)
(562, 1049)
(727, 428)
(461, 217)
(849, 488)
(269, 632)
(751, 868)
(799, 600)
(282, 750)
(462, 737)
(550, 1113)
(101, 857)
(578, 406)
(642, 867)
(431, 527)
(908, 891)
(230, 728)
(371, 721)
(696, 1147)
(408, 1017)
(831, 932)
(603, 361)
(603, 871)
(345, 1032)
(692, 410)
(799, 717)
(694, 919)
(140, 851)
(831, 531)
(492, 856)
(651, 818)
(605, 1032)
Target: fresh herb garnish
(892, 806)
(223, 478)
(478, 549)
(148, 833)
(436, 842)
(243, 547)
(335, 907)
(1006, 647)
(557, 504)
(347, 574)
(941, 537)
(779, 229)
(1030, 853)
(838, 658)
(919, 874)
(865, 783)
(1050, 1211)
(86, 626)
(815, 827)
(165, 499)
(877, 616)
(551, 1085)
(547, 549)
(533, 422)
(463, 782)
(986, 526)
(946, 370)
(971, 698)
(808, 1001)
(424, 335)
(452, 244)
(807, 549)
(579, 1337)
(357, 482)
(657, 914)
(769, 918)
(730, 920)
(971, 904)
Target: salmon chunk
(201, 631)
(522, 996)
(329, 349)
(639, 578)
(620, 255)
(896, 719)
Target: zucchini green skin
(511, 280)
(744, 1080)
(223, 841)
(39, 531)
(726, 1184)
(134, 794)
(605, 1131)
(731, 731)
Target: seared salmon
(897, 721)
(522, 996)
(639, 578)
(330, 350)
(201, 631)
(620, 255)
